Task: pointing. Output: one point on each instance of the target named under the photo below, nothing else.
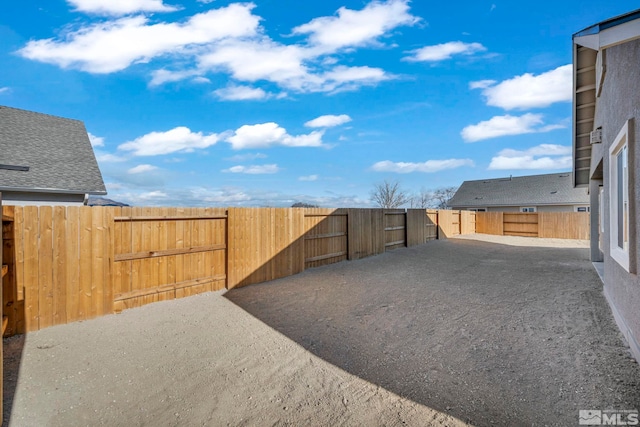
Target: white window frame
(620, 146)
(586, 209)
(528, 209)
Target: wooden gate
(167, 253)
(395, 229)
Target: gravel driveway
(445, 333)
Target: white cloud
(229, 40)
(429, 166)
(543, 156)
(162, 76)
(109, 158)
(530, 91)
(201, 79)
(481, 84)
(205, 1)
(444, 51)
(539, 150)
(179, 139)
(247, 157)
(328, 121)
(264, 59)
(4, 89)
(226, 40)
(343, 78)
(529, 162)
(308, 178)
(268, 134)
(120, 7)
(96, 141)
(142, 169)
(506, 125)
(352, 28)
(111, 46)
(151, 195)
(254, 169)
(241, 93)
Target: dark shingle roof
(56, 150)
(549, 189)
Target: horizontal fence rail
(64, 264)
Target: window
(528, 209)
(582, 209)
(619, 198)
(478, 209)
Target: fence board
(59, 266)
(432, 224)
(45, 266)
(559, 225)
(417, 231)
(272, 237)
(520, 224)
(489, 223)
(325, 236)
(395, 231)
(366, 233)
(564, 225)
(448, 223)
(467, 222)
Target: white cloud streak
(328, 121)
(528, 90)
(241, 93)
(430, 166)
(506, 125)
(179, 139)
(142, 169)
(444, 51)
(268, 134)
(120, 7)
(308, 178)
(254, 169)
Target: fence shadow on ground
(454, 326)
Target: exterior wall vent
(596, 136)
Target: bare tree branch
(389, 195)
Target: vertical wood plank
(86, 264)
(59, 288)
(45, 266)
(31, 285)
(18, 225)
(97, 261)
(108, 261)
(72, 248)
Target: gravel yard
(452, 332)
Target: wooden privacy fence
(74, 263)
(559, 225)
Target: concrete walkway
(448, 332)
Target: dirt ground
(445, 333)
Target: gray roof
(533, 190)
(56, 150)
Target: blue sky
(218, 103)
